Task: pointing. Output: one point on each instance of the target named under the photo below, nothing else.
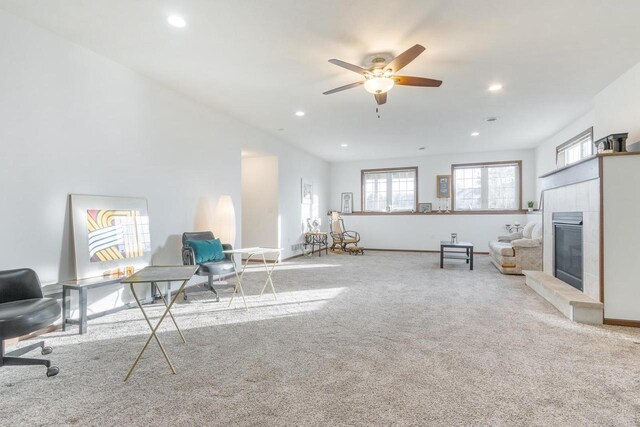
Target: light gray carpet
(380, 339)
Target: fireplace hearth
(568, 248)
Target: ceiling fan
(381, 77)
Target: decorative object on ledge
(614, 143)
(424, 207)
(530, 206)
(346, 205)
(513, 228)
(447, 206)
(443, 186)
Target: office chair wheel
(46, 350)
(52, 371)
(184, 296)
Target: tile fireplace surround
(582, 197)
(605, 190)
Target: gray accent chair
(209, 269)
(23, 310)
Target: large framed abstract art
(109, 234)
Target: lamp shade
(224, 226)
(377, 85)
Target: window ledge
(477, 212)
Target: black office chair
(209, 269)
(24, 310)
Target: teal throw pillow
(206, 250)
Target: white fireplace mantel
(606, 189)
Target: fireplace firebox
(568, 248)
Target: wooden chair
(341, 238)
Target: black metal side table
(466, 255)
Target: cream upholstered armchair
(341, 238)
(520, 251)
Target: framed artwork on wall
(424, 207)
(443, 186)
(306, 192)
(109, 233)
(346, 205)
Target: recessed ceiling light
(299, 113)
(177, 21)
(280, 129)
(495, 87)
(344, 145)
(475, 133)
(492, 119)
(422, 148)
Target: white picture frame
(425, 207)
(346, 203)
(306, 192)
(124, 242)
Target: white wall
(618, 107)
(545, 153)
(615, 109)
(260, 208)
(76, 122)
(621, 237)
(424, 232)
(417, 232)
(346, 177)
(293, 168)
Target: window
(487, 186)
(389, 189)
(577, 148)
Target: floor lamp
(224, 224)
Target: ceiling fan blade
(416, 81)
(381, 98)
(350, 67)
(400, 61)
(341, 88)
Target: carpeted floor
(380, 339)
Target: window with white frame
(385, 190)
(487, 186)
(577, 148)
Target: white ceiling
(260, 61)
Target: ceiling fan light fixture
(378, 85)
